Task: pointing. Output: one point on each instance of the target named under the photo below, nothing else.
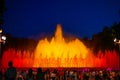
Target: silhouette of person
(40, 74)
(47, 74)
(30, 75)
(1, 75)
(11, 72)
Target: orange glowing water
(59, 52)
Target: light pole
(118, 42)
(2, 40)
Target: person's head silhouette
(39, 70)
(10, 63)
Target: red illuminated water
(25, 59)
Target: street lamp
(0, 30)
(2, 40)
(116, 41)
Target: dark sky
(30, 18)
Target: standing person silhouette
(40, 74)
(11, 72)
(30, 75)
(1, 75)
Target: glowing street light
(117, 41)
(2, 40)
(0, 30)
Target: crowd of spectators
(57, 74)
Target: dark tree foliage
(2, 10)
(105, 40)
(116, 33)
(116, 30)
(87, 42)
(20, 43)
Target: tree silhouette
(104, 40)
(116, 30)
(2, 10)
(19, 43)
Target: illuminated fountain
(60, 52)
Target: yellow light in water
(58, 53)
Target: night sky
(31, 18)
